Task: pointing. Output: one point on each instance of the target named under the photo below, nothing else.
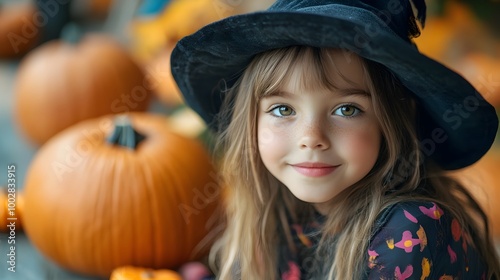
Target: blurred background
(59, 59)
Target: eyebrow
(352, 91)
(342, 92)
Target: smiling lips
(314, 169)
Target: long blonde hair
(258, 206)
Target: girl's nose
(314, 136)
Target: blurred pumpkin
(11, 207)
(178, 19)
(448, 36)
(101, 195)
(160, 78)
(19, 30)
(60, 84)
(483, 72)
(482, 179)
(100, 8)
(139, 273)
(459, 40)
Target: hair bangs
(298, 66)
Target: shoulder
(420, 239)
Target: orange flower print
(434, 212)
(303, 238)
(390, 243)
(456, 230)
(407, 242)
(422, 237)
(426, 268)
(446, 277)
(405, 275)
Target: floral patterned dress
(414, 240)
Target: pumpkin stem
(124, 134)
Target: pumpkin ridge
(154, 220)
(96, 248)
(122, 196)
(174, 195)
(163, 233)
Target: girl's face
(317, 141)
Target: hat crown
(397, 15)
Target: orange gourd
(19, 30)
(60, 84)
(483, 180)
(11, 207)
(139, 273)
(101, 195)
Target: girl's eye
(282, 111)
(347, 111)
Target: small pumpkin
(59, 84)
(114, 191)
(19, 30)
(161, 80)
(100, 8)
(11, 208)
(139, 273)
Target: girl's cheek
(273, 141)
(270, 143)
(363, 144)
(273, 131)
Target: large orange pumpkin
(101, 195)
(60, 84)
(19, 30)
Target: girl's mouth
(314, 169)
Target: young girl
(336, 135)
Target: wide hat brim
(456, 125)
